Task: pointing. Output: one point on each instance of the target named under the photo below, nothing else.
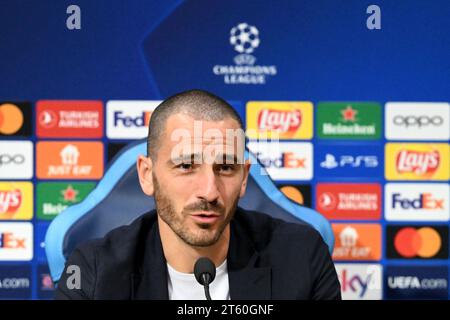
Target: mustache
(205, 206)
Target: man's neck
(182, 256)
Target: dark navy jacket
(267, 259)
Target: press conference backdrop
(359, 93)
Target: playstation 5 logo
(330, 161)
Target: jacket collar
(246, 280)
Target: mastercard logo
(300, 194)
(411, 242)
(293, 193)
(11, 119)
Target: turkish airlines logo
(340, 201)
(48, 119)
(285, 121)
(411, 242)
(69, 118)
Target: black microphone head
(204, 266)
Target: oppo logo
(11, 159)
(418, 121)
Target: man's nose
(207, 185)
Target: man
(196, 172)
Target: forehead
(183, 130)
(199, 131)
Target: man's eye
(226, 168)
(185, 166)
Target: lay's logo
(285, 120)
(408, 161)
(10, 201)
(16, 200)
(421, 163)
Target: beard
(197, 235)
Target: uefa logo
(244, 38)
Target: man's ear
(247, 165)
(145, 168)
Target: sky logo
(360, 281)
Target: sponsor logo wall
(378, 171)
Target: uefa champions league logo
(245, 38)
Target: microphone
(205, 272)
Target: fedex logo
(16, 241)
(129, 119)
(9, 241)
(424, 201)
(285, 160)
(360, 281)
(417, 201)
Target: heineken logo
(349, 114)
(54, 197)
(349, 121)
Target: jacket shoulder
(266, 229)
(120, 243)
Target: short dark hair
(199, 104)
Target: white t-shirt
(184, 286)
